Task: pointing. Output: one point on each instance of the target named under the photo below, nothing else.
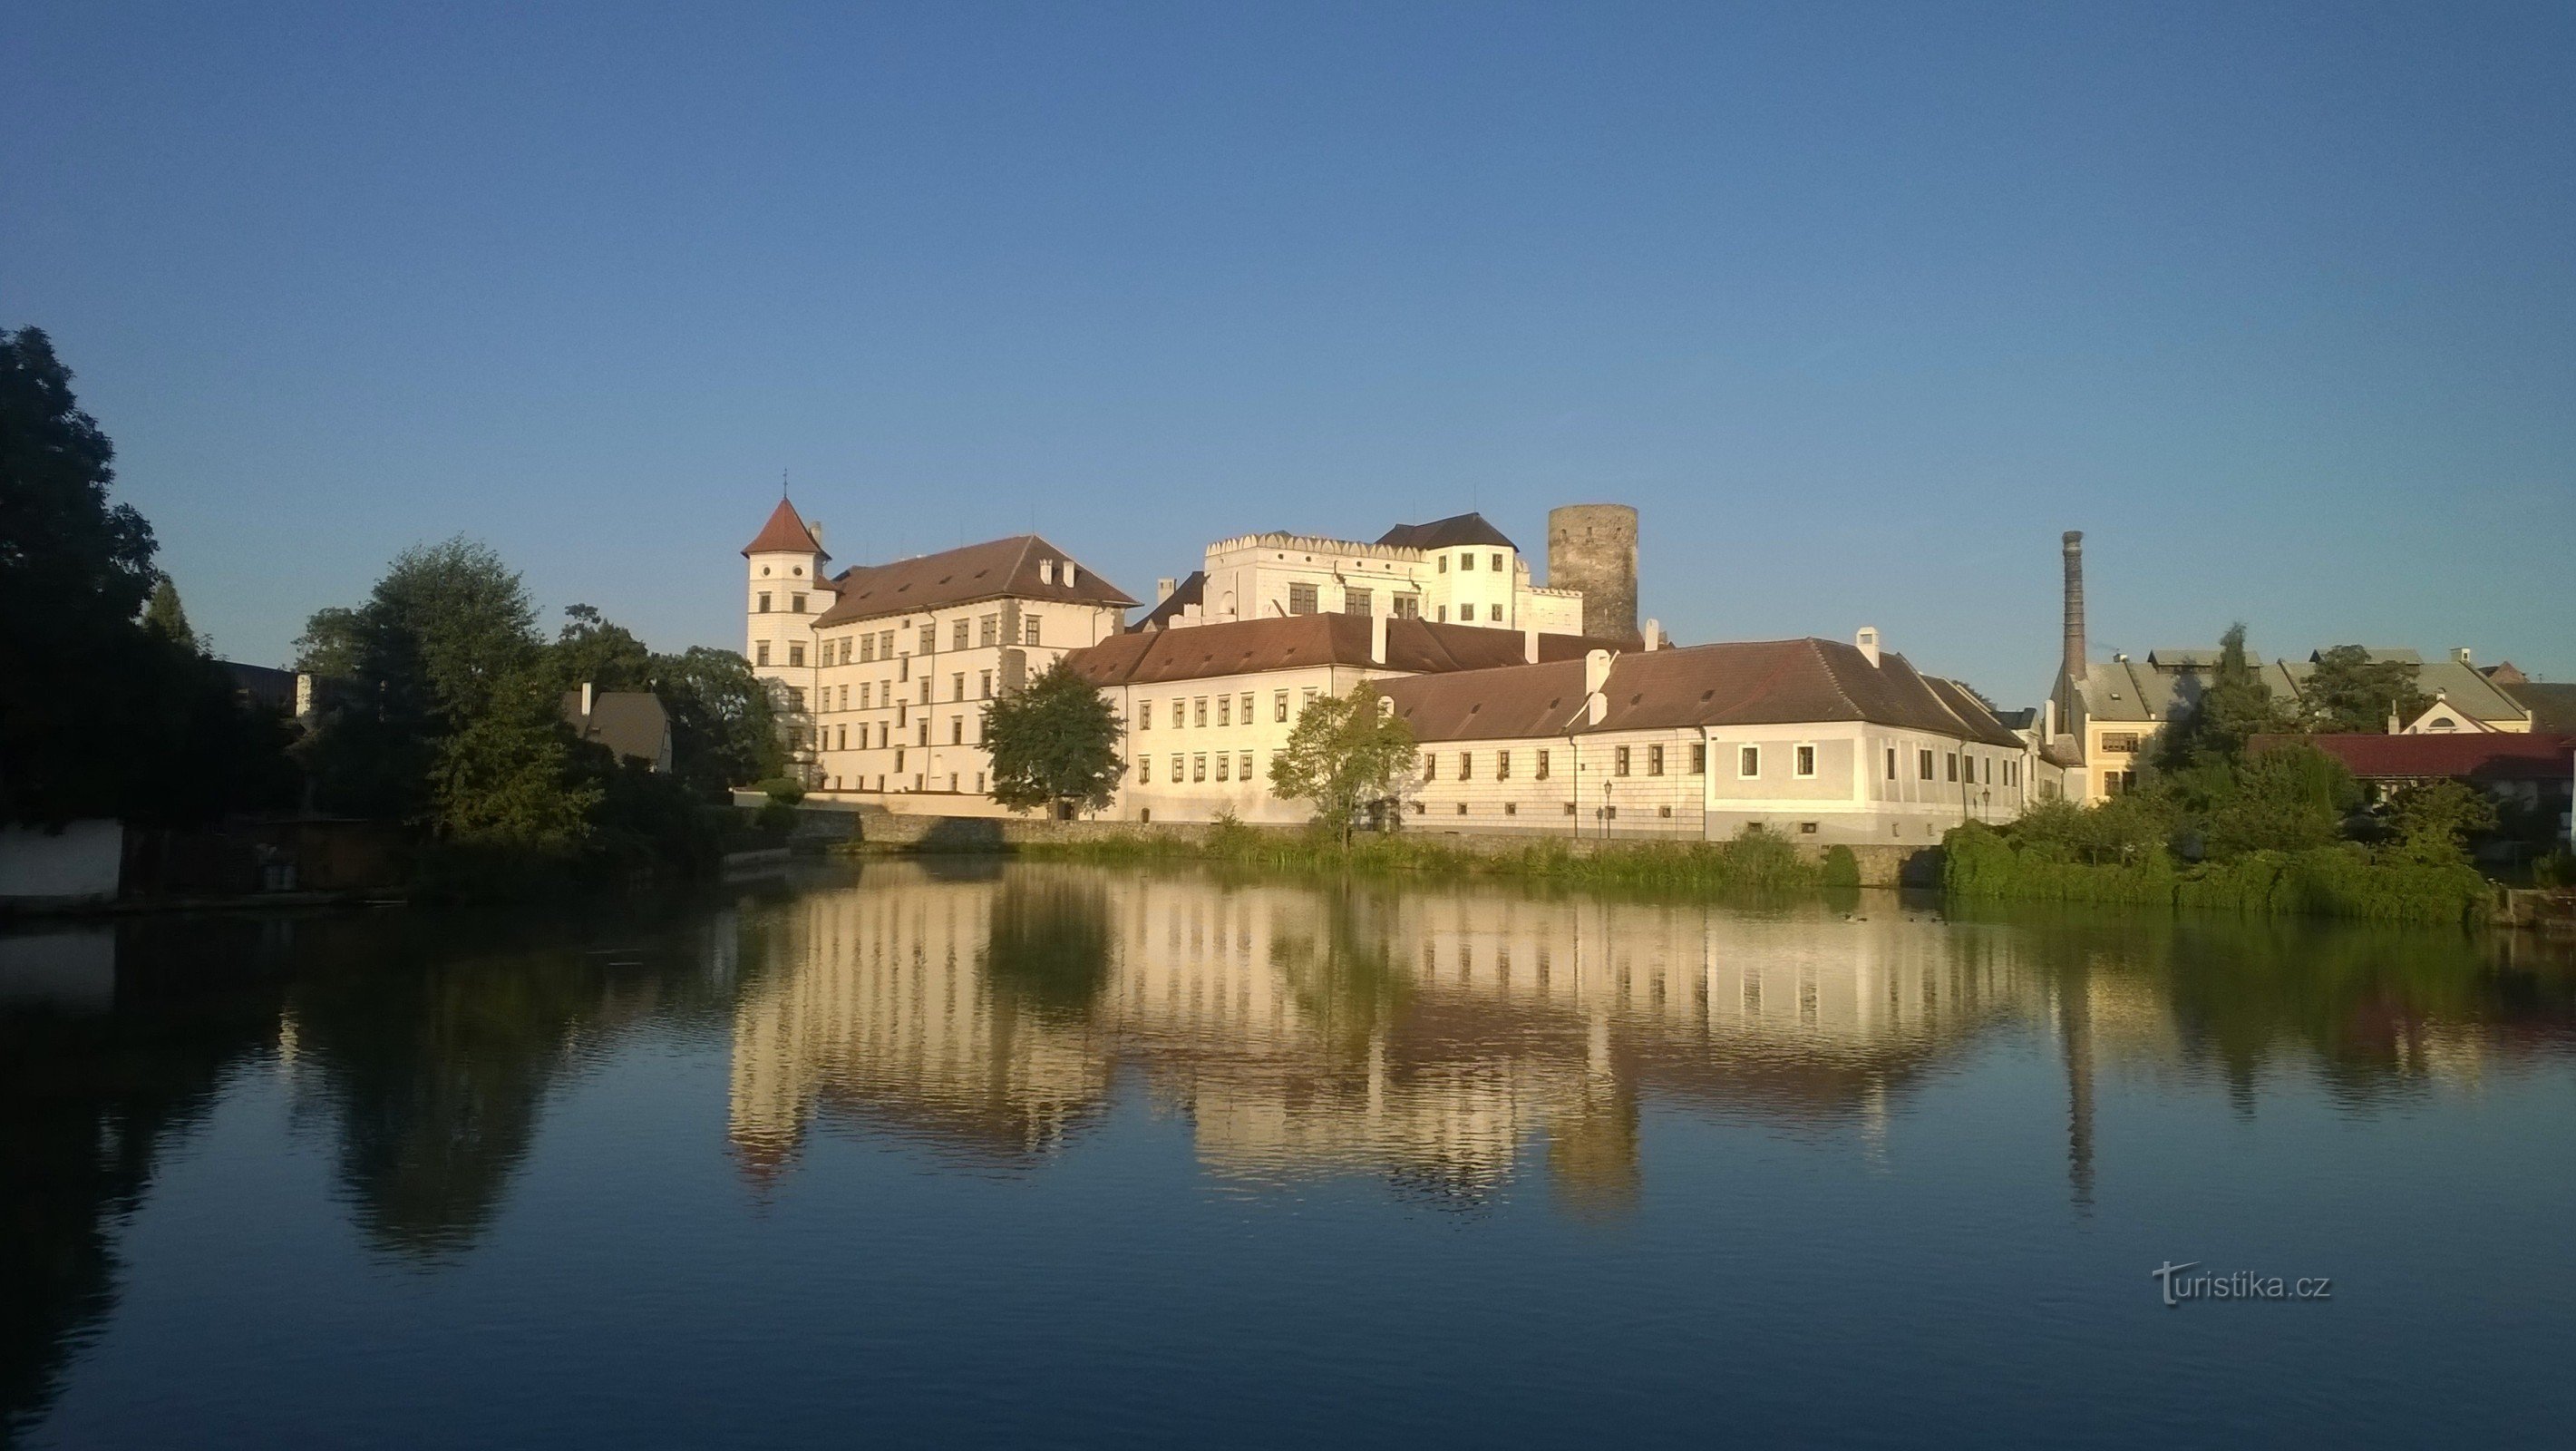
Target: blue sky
(1860, 306)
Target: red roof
(785, 533)
(2484, 756)
(1282, 642)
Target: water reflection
(1457, 1042)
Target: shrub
(1842, 869)
(781, 790)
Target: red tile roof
(990, 570)
(1761, 682)
(785, 533)
(1236, 647)
(2484, 756)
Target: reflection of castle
(1425, 1034)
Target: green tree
(2348, 691)
(2235, 707)
(331, 643)
(590, 648)
(1054, 743)
(723, 732)
(505, 778)
(167, 618)
(2432, 821)
(99, 715)
(1347, 756)
(2289, 798)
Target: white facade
(1265, 576)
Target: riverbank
(2346, 881)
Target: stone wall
(1593, 548)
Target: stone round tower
(1593, 548)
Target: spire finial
(782, 483)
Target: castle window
(1923, 765)
(1953, 759)
(1224, 712)
(1619, 761)
(988, 630)
(1444, 614)
(1176, 770)
(1511, 808)
(1222, 762)
(1466, 561)
(929, 639)
(1198, 712)
(984, 685)
(923, 727)
(1029, 630)
(842, 735)
(760, 653)
(1046, 571)
(1498, 564)
(1430, 765)
(1407, 606)
(1198, 767)
(795, 699)
(885, 644)
(1356, 601)
(957, 730)
(1494, 613)
(1748, 762)
(795, 654)
(762, 607)
(1699, 758)
(1502, 765)
(1279, 705)
(867, 648)
(1301, 599)
(1245, 760)
(1541, 772)
(1144, 715)
(1462, 808)
(1805, 761)
(1891, 763)
(845, 697)
(1444, 564)
(1144, 770)
(957, 686)
(796, 604)
(1466, 765)
(867, 694)
(957, 635)
(1654, 760)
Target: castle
(1539, 707)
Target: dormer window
(1046, 571)
(1068, 574)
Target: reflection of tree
(1346, 980)
(1592, 1152)
(86, 1104)
(1046, 947)
(437, 1061)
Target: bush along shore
(2339, 880)
(1755, 862)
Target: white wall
(84, 863)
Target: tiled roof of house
(628, 722)
(2485, 757)
(1446, 533)
(2170, 681)
(785, 533)
(1281, 642)
(1765, 682)
(990, 570)
(1191, 591)
(2552, 706)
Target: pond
(1018, 1153)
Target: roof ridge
(1816, 644)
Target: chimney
(1377, 639)
(1866, 638)
(2461, 654)
(815, 528)
(1163, 588)
(587, 696)
(1529, 645)
(1654, 634)
(1596, 675)
(2073, 663)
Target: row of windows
(795, 604)
(1187, 711)
(919, 781)
(877, 645)
(1950, 767)
(1467, 561)
(1623, 761)
(1196, 764)
(1403, 604)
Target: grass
(1754, 862)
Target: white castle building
(1461, 570)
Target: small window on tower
(762, 605)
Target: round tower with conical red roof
(784, 590)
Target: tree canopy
(1347, 756)
(100, 714)
(2348, 691)
(1054, 743)
(166, 617)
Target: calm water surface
(1041, 1155)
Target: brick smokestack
(2074, 662)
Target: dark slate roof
(2552, 706)
(1446, 533)
(628, 722)
(1766, 682)
(785, 533)
(990, 570)
(265, 684)
(1191, 591)
(2484, 757)
(1236, 647)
